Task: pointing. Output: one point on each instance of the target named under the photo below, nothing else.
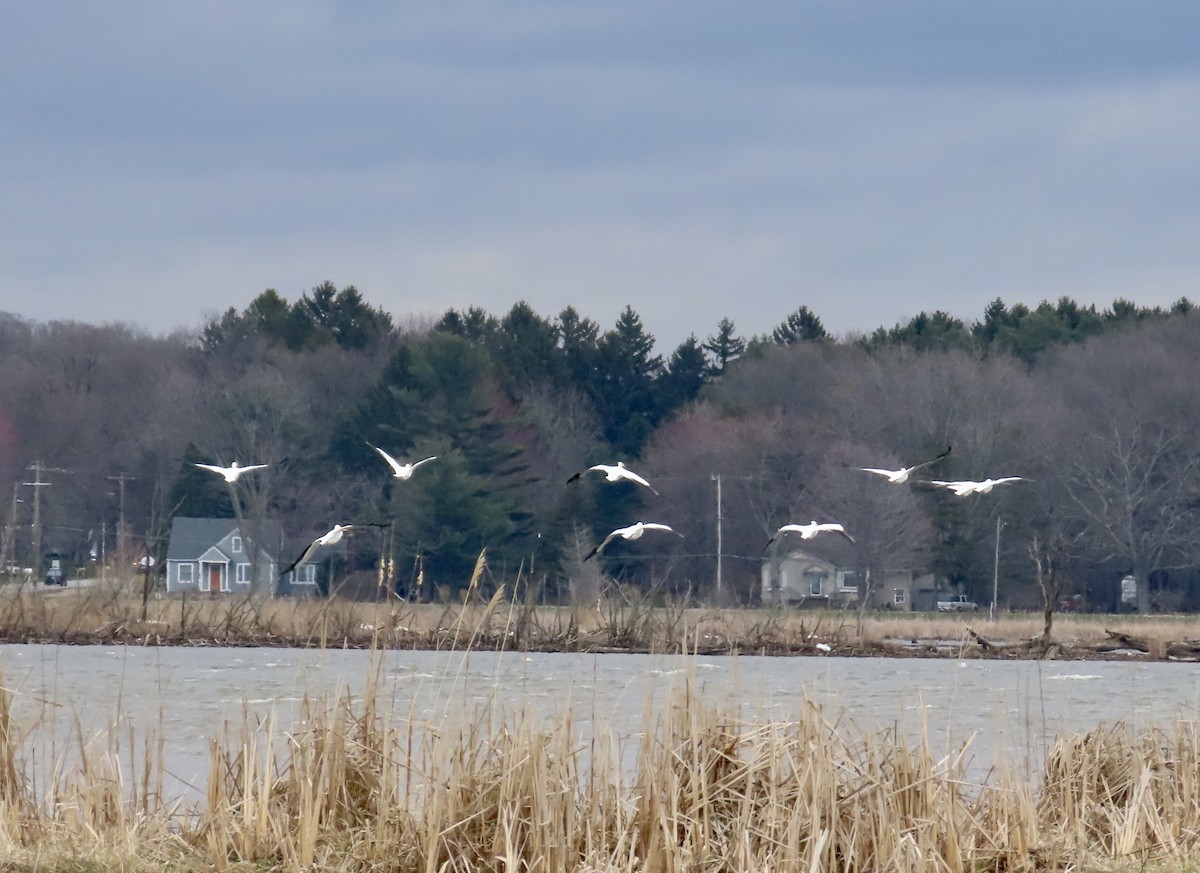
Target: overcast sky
(164, 161)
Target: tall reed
(352, 786)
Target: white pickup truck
(956, 603)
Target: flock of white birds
(620, 473)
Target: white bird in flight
(962, 489)
(810, 530)
(614, 474)
(633, 532)
(899, 477)
(401, 471)
(232, 472)
(329, 538)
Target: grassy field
(623, 621)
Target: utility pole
(7, 552)
(995, 571)
(717, 477)
(37, 467)
(121, 479)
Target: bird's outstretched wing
(838, 529)
(1005, 479)
(888, 473)
(600, 548)
(213, 467)
(626, 473)
(425, 461)
(392, 462)
(653, 525)
(304, 556)
(934, 461)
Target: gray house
(211, 556)
(801, 578)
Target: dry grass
(352, 788)
(625, 621)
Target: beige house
(804, 579)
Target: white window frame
(187, 569)
(235, 545)
(816, 582)
(899, 597)
(243, 574)
(843, 588)
(305, 574)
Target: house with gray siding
(213, 556)
(798, 577)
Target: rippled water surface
(187, 695)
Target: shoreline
(115, 614)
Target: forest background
(101, 425)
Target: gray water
(1005, 708)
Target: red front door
(214, 578)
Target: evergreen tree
(474, 324)
(525, 350)
(803, 325)
(197, 493)
(435, 398)
(336, 316)
(269, 312)
(724, 346)
(623, 387)
(225, 333)
(578, 338)
(926, 332)
(687, 371)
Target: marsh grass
(351, 787)
(621, 620)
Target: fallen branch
(1117, 640)
(983, 644)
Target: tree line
(1093, 407)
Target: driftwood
(1189, 649)
(1117, 640)
(983, 644)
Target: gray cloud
(691, 161)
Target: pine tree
(435, 398)
(724, 346)
(578, 340)
(623, 387)
(197, 493)
(525, 349)
(803, 325)
(687, 371)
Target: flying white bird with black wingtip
(810, 530)
(962, 489)
(633, 532)
(329, 538)
(899, 477)
(233, 471)
(401, 471)
(615, 473)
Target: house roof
(806, 556)
(192, 537)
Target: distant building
(211, 556)
(804, 579)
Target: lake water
(188, 694)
